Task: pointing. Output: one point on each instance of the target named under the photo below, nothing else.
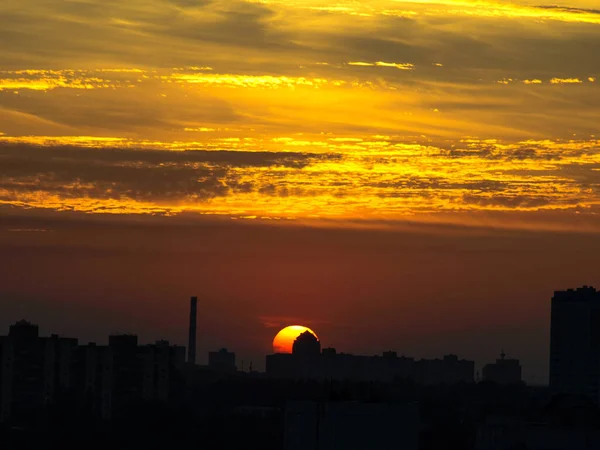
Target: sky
(416, 176)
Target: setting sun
(284, 340)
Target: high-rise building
(126, 371)
(160, 363)
(37, 372)
(142, 372)
(92, 370)
(34, 370)
(575, 342)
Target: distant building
(25, 367)
(575, 342)
(162, 362)
(306, 345)
(503, 371)
(110, 378)
(307, 363)
(343, 366)
(38, 371)
(141, 372)
(34, 370)
(329, 351)
(350, 426)
(449, 370)
(92, 369)
(127, 371)
(222, 361)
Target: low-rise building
(329, 364)
(503, 371)
(222, 361)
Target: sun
(284, 340)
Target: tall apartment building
(92, 368)
(161, 363)
(37, 371)
(34, 370)
(141, 372)
(575, 342)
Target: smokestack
(192, 335)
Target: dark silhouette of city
(57, 392)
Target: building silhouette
(307, 362)
(306, 345)
(39, 371)
(575, 342)
(503, 371)
(141, 396)
(33, 370)
(448, 370)
(222, 361)
(92, 370)
(303, 362)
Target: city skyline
(224, 362)
(49, 383)
(189, 359)
(489, 287)
(289, 334)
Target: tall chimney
(192, 331)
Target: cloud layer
(375, 110)
(377, 179)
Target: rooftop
(580, 294)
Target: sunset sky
(416, 176)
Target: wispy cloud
(565, 81)
(401, 66)
(377, 110)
